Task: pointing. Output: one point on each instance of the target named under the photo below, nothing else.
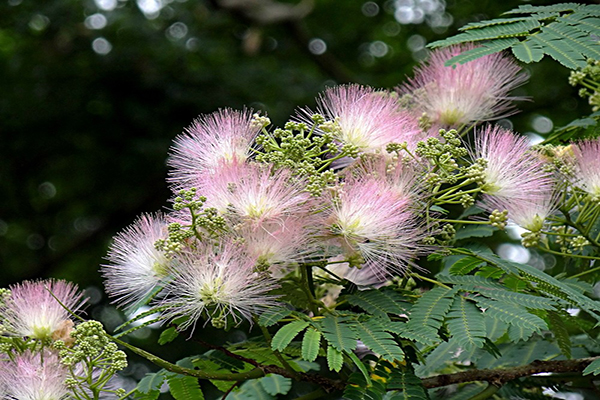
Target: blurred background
(92, 93)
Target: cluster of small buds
(90, 341)
(446, 234)
(589, 77)
(175, 241)
(499, 218)
(188, 199)
(476, 171)
(443, 153)
(530, 239)
(466, 200)
(579, 242)
(259, 121)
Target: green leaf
(593, 368)
(334, 359)
(338, 333)
(168, 335)
(559, 50)
(529, 9)
(379, 302)
(518, 28)
(276, 384)
(466, 323)
(310, 344)
(465, 265)
(470, 282)
(430, 309)
(408, 384)
(520, 299)
(273, 315)
(150, 383)
(528, 51)
(426, 336)
(512, 315)
(579, 41)
(497, 21)
(561, 334)
(361, 367)
(491, 47)
(583, 22)
(250, 390)
(184, 387)
(286, 334)
(372, 333)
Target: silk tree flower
(587, 164)
(219, 284)
(512, 171)
(369, 219)
(255, 194)
(281, 243)
(32, 311)
(135, 266)
(472, 92)
(34, 376)
(367, 118)
(224, 136)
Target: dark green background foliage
(84, 136)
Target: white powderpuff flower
(218, 284)
(135, 266)
(33, 311)
(224, 136)
(34, 376)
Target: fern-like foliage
(566, 32)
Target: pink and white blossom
(367, 118)
(219, 284)
(33, 311)
(587, 164)
(135, 265)
(475, 91)
(370, 219)
(512, 170)
(34, 376)
(224, 136)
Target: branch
(500, 376)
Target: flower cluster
(40, 339)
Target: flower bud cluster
(499, 219)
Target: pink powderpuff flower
(587, 164)
(216, 283)
(367, 118)
(512, 170)
(255, 194)
(279, 244)
(400, 175)
(369, 219)
(528, 212)
(472, 92)
(135, 266)
(34, 376)
(224, 136)
(32, 311)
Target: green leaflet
(466, 323)
(286, 334)
(251, 389)
(528, 51)
(560, 51)
(512, 315)
(338, 333)
(465, 265)
(184, 387)
(168, 335)
(380, 302)
(150, 383)
(372, 333)
(426, 336)
(273, 315)
(430, 309)
(470, 55)
(409, 386)
(276, 384)
(334, 359)
(310, 344)
(518, 28)
(490, 22)
(561, 334)
(593, 368)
